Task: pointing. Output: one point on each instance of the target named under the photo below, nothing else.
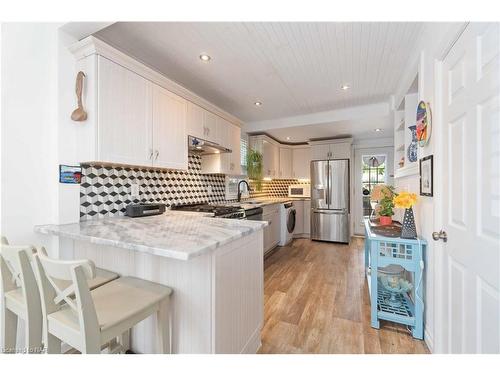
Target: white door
(195, 125)
(235, 165)
(320, 152)
(210, 126)
(169, 129)
(124, 115)
(469, 321)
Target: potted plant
(255, 167)
(384, 195)
(407, 200)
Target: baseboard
(253, 344)
(429, 340)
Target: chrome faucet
(239, 189)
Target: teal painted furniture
(382, 251)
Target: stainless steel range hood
(203, 147)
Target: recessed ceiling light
(257, 104)
(288, 138)
(204, 57)
(345, 87)
(378, 130)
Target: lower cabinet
(302, 218)
(272, 233)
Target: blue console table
(382, 251)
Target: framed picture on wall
(426, 176)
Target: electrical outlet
(209, 189)
(135, 190)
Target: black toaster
(144, 209)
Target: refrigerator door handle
(342, 211)
(327, 170)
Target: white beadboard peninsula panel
(217, 304)
(239, 282)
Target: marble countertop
(177, 235)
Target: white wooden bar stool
(94, 318)
(19, 299)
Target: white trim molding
(92, 45)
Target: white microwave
(299, 191)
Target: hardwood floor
(316, 301)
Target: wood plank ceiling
(292, 68)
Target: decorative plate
(424, 123)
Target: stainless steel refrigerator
(330, 200)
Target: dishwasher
(254, 213)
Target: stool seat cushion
(115, 302)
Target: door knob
(441, 235)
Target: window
(373, 173)
(243, 152)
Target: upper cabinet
(301, 162)
(229, 136)
(333, 149)
(282, 161)
(169, 129)
(137, 116)
(285, 163)
(138, 122)
(124, 130)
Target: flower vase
(412, 147)
(408, 229)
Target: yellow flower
(405, 200)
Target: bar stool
(19, 299)
(94, 318)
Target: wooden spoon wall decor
(79, 114)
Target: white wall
(29, 130)
(435, 39)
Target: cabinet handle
(157, 153)
(150, 154)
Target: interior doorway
(373, 166)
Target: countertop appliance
(330, 200)
(221, 211)
(144, 209)
(288, 218)
(299, 191)
(204, 147)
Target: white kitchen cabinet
(123, 116)
(229, 136)
(334, 150)
(270, 158)
(301, 162)
(169, 129)
(302, 218)
(202, 123)
(285, 162)
(272, 233)
(195, 126)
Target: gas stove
(227, 212)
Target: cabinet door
(268, 158)
(320, 152)
(307, 217)
(340, 150)
(299, 217)
(285, 163)
(301, 162)
(124, 115)
(224, 139)
(275, 228)
(169, 129)
(210, 126)
(195, 116)
(235, 165)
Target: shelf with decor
(405, 148)
(392, 297)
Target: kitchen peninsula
(214, 266)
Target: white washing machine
(287, 213)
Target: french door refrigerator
(330, 200)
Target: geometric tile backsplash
(105, 191)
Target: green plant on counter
(255, 167)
